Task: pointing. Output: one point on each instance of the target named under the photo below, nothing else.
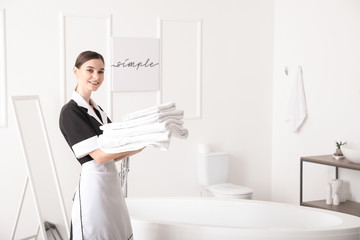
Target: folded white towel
(108, 142)
(161, 140)
(148, 111)
(174, 130)
(163, 146)
(178, 131)
(297, 112)
(148, 127)
(144, 129)
(153, 118)
(161, 116)
(114, 140)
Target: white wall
(236, 91)
(323, 37)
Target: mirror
(40, 164)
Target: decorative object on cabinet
(352, 154)
(329, 194)
(338, 153)
(336, 185)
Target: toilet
(213, 169)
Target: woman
(99, 211)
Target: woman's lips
(94, 82)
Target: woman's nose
(95, 75)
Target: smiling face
(90, 75)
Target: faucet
(124, 175)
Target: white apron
(99, 210)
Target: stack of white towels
(147, 127)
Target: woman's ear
(76, 71)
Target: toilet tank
(212, 168)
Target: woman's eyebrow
(94, 68)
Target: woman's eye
(101, 72)
(90, 70)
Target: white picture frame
(135, 64)
(3, 71)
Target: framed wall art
(135, 64)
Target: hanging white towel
(297, 112)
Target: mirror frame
(34, 188)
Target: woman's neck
(85, 94)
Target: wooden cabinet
(348, 207)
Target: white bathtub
(211, 218)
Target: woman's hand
(130, 153)
(101, 157)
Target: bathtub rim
(349, 222)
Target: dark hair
(86, 56)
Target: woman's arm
(101, 157)
(128, 155)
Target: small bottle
(329, 194)
(336, 199)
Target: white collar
(82, 103)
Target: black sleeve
(77, 130)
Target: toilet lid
(230, 189)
